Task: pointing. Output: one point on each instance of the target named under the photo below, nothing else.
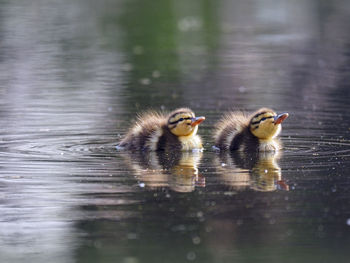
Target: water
(74, 74)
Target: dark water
(73, 74)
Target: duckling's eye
(181, 119)
(270, 117)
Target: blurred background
(73, 76)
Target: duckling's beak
(197, 120)
(280, 118)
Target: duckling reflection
(184, 175)
(176, 170)
(258, 171)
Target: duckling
(155, 131)
(239, 131)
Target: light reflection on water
(259, 172)
(178, 171)
(73, 76)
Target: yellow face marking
(180, 124)
(179, 117)
(263, 117)
(262, 126)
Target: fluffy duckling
(239, 131)
(154, 131)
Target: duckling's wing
(149, 123)
(147, 127)
(232, 120)
(229, 126)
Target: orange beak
(282, 185)
(197, 120)
(280, 118)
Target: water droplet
(138, 50)
(196, 240)
(119, 148)
(155, 74)
(189, 23)
(200, 214)
(242, 89)
(145, 81)
(348, 222)
(191, 256)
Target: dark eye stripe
(262, 119)
(177, 113)
(181, 119)
(258, 114)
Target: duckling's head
(266, 124)
(183, 122)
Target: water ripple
(317, 147)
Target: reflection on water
(176, 170)
(74, 73)
(257, 171)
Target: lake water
(73, 75)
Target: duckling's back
(230, 128)
(144, 135)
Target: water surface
(73, 75)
